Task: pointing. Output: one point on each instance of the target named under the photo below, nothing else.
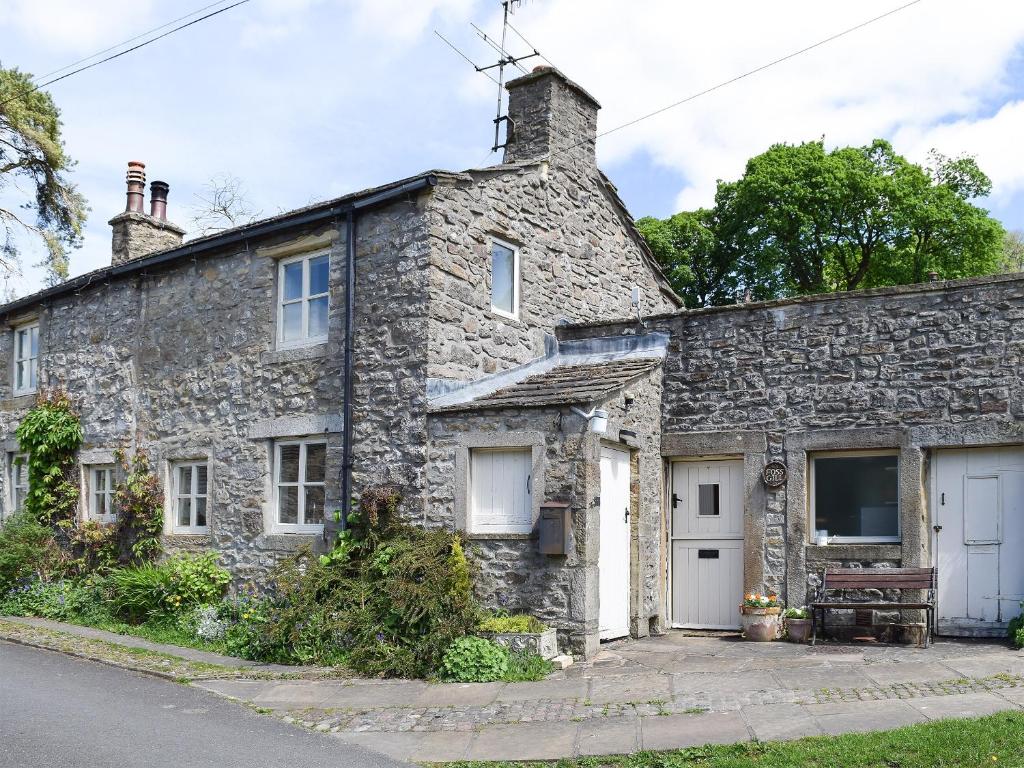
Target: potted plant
(759, 617)
(520, 633)
(798, 624)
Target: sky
(304, 100)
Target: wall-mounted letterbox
(555, 521)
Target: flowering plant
(757, 600)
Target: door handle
(528, 478)
(936, 528)
(675, 501)
(627, 515)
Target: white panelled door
(706, 529)
(979, 531)
(613, 557)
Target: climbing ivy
(138, 502)
(50, 434)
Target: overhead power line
(126, 51)
(139, 36)
(746, 74)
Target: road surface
(58, 711)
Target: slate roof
(563, 385)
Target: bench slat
(857, 606)
(875, 584)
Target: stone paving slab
(680, 731)
(985, 666)
(545, 689)
(413, 747)
(966, 705)
(912, 671)
(609, 736)
(861, 716)
(823, 678)
(527, 741)
(780, 721)
(646, 687)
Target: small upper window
(303, 288)
(504, 279)
(191, 481)
(100, 485)
(855, 497)
(26, 359)
(300, 475)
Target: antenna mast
(505, 59)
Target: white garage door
(979, 534)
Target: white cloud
(76, 27)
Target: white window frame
(192, 494)
(472, 523)
(514, 314)
(301, 484)
(91, 471)
(812, 496)
(304, 300)
(12, 494)
(31, 361)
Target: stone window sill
(295, 354)
(190, 539)
(290, 542)
(855, 552)
(19, 401)
(499, 536)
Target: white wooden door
(706, 531)
(978, 514)
(500, 493)
(613, 556)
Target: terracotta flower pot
(760, 624)
(798, 630)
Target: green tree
(33, 176)
(1012, 258)
(806, 220)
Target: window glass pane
(318, 317)
(34, 344)
(291, 322)
(32, 373)
(292, 281)
(100, 505)
(502, 277)
(707, 499)
(289, 464)
(99, 479)
(288, 504)
(857, 496)
(184, 511)
(21, 376)
(314, 513)
(184, 481)
(201, 479)
(316, 461)
(201, 512)
(22, 344)
(319, 272)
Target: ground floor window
(300, 474)
(500, 490)
(17, 476)
(99, 480)
(855, 496)
(191, 486)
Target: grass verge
(996, 740)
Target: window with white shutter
(500, 486)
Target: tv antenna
(505, 59)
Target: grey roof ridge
(580, 352)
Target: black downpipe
(350, 304)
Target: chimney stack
(136, 233)
(551, 117)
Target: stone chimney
(551, 117)
(137, 233)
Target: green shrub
(141, 592)
(1016, 629)
(50, 434)
(194, 580)
(526, 667)
(65, 600)
(27, 551)
(521, 623)
(796, 613)
(474, 660)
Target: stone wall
(513, 575)
(182, 362)
(907, 368)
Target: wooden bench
(875, 578)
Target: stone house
(500, 346)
